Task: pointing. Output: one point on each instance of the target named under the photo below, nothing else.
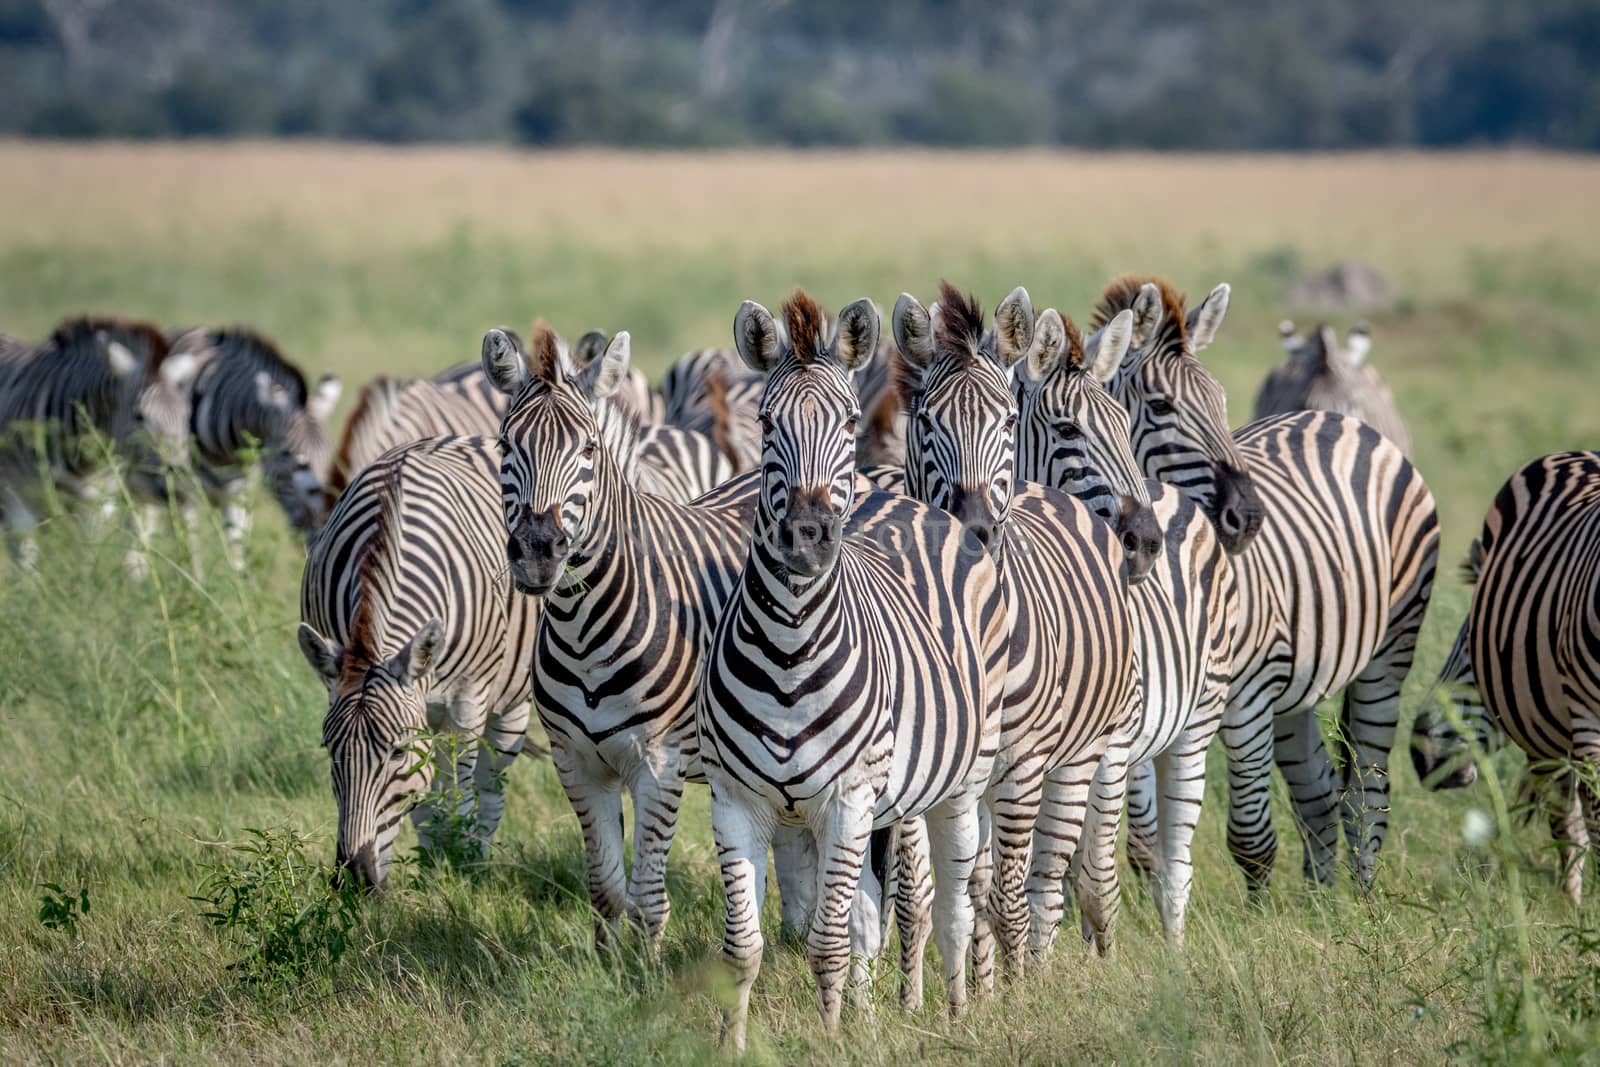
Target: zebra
(881, 435)
(93, 381)
(1529, 649)
(246, 396)
(1071, 434)
(409, 619)
(710, 391)
(1334, 539)
(855, 675)
(1322, 375)
(632, 585)
(1070, 682)
(671, 462)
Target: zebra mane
(238, 343)
(380, 559)
(959, 333)
(81, 336)
(905, 388)
(721, 415)
(544, 356)
(1075, 354)
(803, 318)
(1121, 294)
(375, 406)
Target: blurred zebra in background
(855, 677)
(1322, 375)
(96, 384)
(1334, 538)
(409, 619)
(1073, 435)
(710, 391)
(248, 401)
(1530, 649)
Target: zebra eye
(1160, 406)
(850, 425)
(1067, 428)
(502, 445)
(766, 422)
(1011, 422)
(588, 448)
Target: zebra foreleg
(1247, 738)
(595, 793)
(794, 861)
(1014, 802)
(657, 794)
(953, 837)
(981, 886)
(1055, 843)
(503, 738)
(742, 829)
(913, 906)
(844, 835)
(1181, 777)
(1564, 809)
(1143, 819)
(1099, 891)
(1303, 757)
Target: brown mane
(721, 414)
(545, 355)
(805, 321)
(379, 555)
(366, 407)
(1121, 294)
(1075, 354)
(960, 329)
(82, 329)
(904, 391)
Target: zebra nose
(1141, 537)
(361, 868)
(1239, 511)
(972, 511)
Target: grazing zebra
(710, 391)
(247, 396)
(1070, 682)
(93, 381)
(1532, 641)
(409, 619)
(854, 679)
(1334, 538)
(632, 585)
(1071, 434)
(1323, 376)
(671, 462)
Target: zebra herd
(931, 608)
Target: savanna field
(145, 730)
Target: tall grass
(145, 728)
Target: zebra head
(961, 430)
(374, 732)
(808, 420)
(1179, 411)
(1074, 436)
(561, 447)
(162, 413)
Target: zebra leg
(742, 828)
(1248, 740)
(867, 914)
(657, 793)
(913, 906)
(1181, 774)
(143, 523)
(1099, 890)
(21, 524)
(595, 793)
(794, 860)
(1565, 810)
(844, 835)
(983, 941)
(1143, 820)
(1303, 758)
(1014, 802)
(1371, 713)
(1055, 843)
(953, 838)
(236, 520)
(503, 737)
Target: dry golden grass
(1409, 209)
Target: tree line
(1201, 74)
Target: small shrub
(282, 910)
(59, 909)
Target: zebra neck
(795, 605)
(615, 548)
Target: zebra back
(389, 413)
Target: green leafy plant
(285, 913)
(60, 909)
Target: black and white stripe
(408, 616)
(709, 391)
(1334, 540)
(1532, 639)
(855, 677)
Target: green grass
(144, 728)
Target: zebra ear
(1148, 311)
(415, 660)
(755, 335)
(600, 377)
(178, 370)
(1049, 338)
(322, 654)
(503, 361)
(855, 334)
(1013, 327)
(1103, 351)
(1204, 320)
(325, 396)
(589, 348)
(119, 357)
(913, 331)
(1357, 343)
(269, 393)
